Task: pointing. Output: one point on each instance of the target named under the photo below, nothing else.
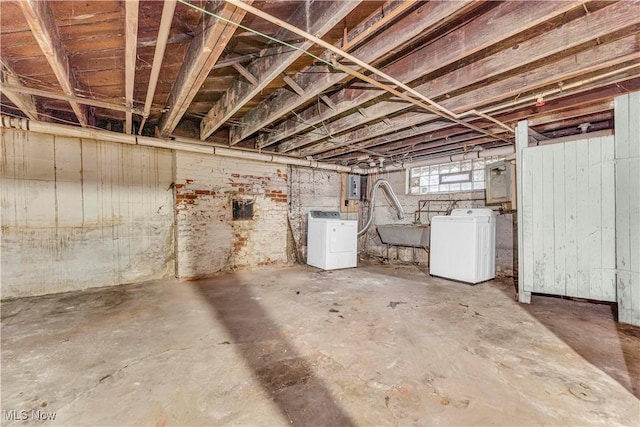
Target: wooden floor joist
(25, 102)
(319, 16)
(131, 47)
(45, 31)
(491, 28)
(204, 51)
(316, 80)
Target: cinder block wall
(386, 214)
(80, 213)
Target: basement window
(466, 175)
(242, 209)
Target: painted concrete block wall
(438, 204)
(80, 213)
(312, 189)
(208, 239)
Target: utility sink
(412, 235)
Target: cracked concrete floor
(377, 345)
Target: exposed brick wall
(208, 239)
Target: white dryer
(332, 242)
(463, 245)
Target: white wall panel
(627, 200)
(567, 219)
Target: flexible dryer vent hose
(372, 202)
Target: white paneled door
(568, 221)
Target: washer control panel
(325, 214)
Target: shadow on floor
(284, 374)
(591, 330)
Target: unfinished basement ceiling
(91, 63)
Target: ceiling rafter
(319, 16)
(131, 31)
(204, 51)
(575, 33)
(420, 22)
(568, 106)
(168, 10)
(44, 30)
(25, 102)
(515, 17)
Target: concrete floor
(378, 345)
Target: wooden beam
(168, 9)
(319, 17)
(244, 72)
(131, 45)
(503, 21)
(204, 50)
(569, 106)
(315, 80)
(25, 102)
(568, 99)
(293, 85)
(328, 101)
(573, 34)
(45, 31)
(77, 99)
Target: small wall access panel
(501, 184)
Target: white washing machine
(332, 242)
(463, 245)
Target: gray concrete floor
(377, 345)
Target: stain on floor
(445, 354)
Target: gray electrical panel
(353, 187)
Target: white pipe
(372, 202)
(498, 151)
(183, 144)
(435, 107)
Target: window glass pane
(478, 185)
(415, 182)
(478, 164)
(415, 190)
(454, 167)
(433, 189)
(424, 180)
(435, 169)
(465, 186)
(433, 180)
(415, 172)
(465, 166)
(444, 168)
(454, 187)
(424, 190)
(424, 170)
(444, 187)
(455, 177)
(478, 175)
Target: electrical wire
(228, 21)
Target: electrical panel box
(500, 180)
(353, 187)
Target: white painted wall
(568, 219)
(80, 213)
(312, 189)
(627, 155)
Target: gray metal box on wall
(353, 187)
